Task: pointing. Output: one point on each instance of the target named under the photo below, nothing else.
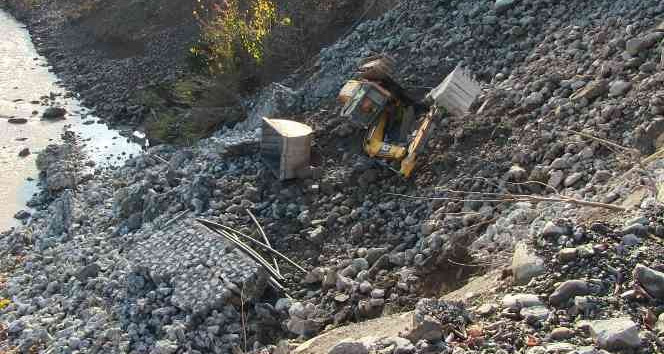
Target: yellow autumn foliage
(4, 303)
(230, 34)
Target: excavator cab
(363, 102)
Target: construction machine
(376, 102)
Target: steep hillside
(550, 185)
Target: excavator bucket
(456, 93)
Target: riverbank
(111, 61)
(552, 184)
(28, 91)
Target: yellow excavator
(376, 102)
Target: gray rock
(165, 346)
(525, 264)
(303, 327)
(22, 215)
(486, 309)
(427, 328)
(89, 271)
(317, 235)
(630, 240)
(635, 229)
(129, 200)
(16, 327)
(535, 314)
(560, 333)
(602, 176)
(572, 179)
(283, 304)
(62, 214)
(591, 91)
(503, 5)
(276, 100)
(534, 99)
(615, 334)
(584, 304)
(519, 301)
(53, 161)
(659, 326)
(556, 177)
(401, 345)
(567, 255)
(17, 120)
(567, 290)
(349, 346)
(316, 275)
(589, 350)
(619, 88)
(635, 45)
(560, 164)
(397, 258)
(54, 113)
(378, 293)
(560, 348)
(24, 152)
(651, 280)
(551, 230)
(374, 253)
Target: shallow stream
(27, 88)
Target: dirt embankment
(130, 60)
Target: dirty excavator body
(376, 102)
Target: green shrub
(232, 34)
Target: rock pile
(118, 266)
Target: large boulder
(651, 280)
(56, 163)
(646, 135)
(525, 264)
(61, 215)
(568, 290)
(615, 334)
(519, 301)
(129, 200)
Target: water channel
(27, 87)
